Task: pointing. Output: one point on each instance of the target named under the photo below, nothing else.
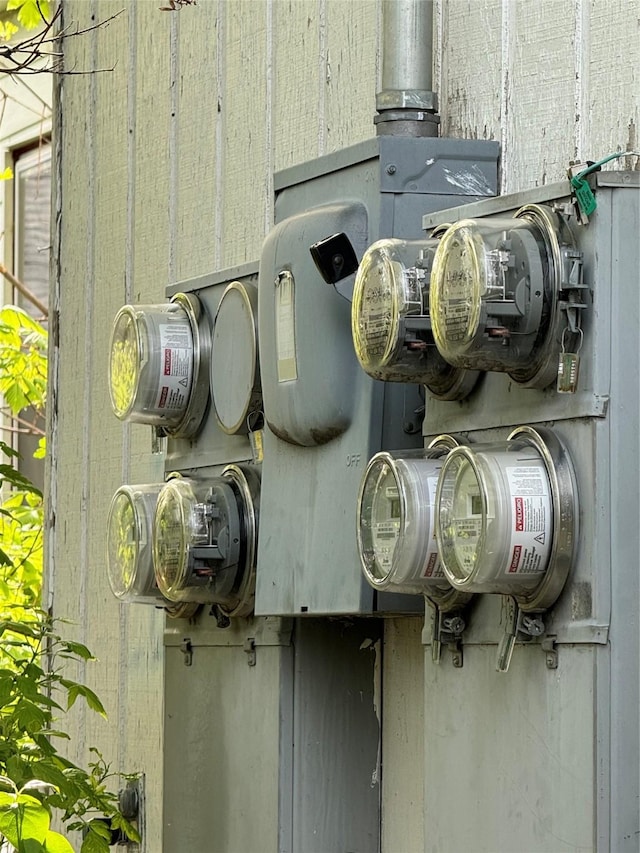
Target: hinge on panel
(187, 650)
(250, 649)
(447, 630)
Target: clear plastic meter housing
(494, 291)
(204, 540)
(129, 549)
(505, 517)
(395, 523)
(390, 321)
(155, 368)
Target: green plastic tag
(584, 194)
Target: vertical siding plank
(542, 93)
(403, 727)
(296, 68)
(348, 75)
(614, 79)
(70, 571)
(199, 205)
(469, 68)
(244, 106)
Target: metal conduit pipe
(407, 105)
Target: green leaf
(55, 843)
(92, 700)
(30, 12)
(94, 842)
(120, 822)
(25, 818)
(77, 649)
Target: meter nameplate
(432, 567)
(285, 327)
(176, 365)
(532, 517)
(458, 303)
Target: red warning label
(431, 564)
(515, 559)
(519, 514)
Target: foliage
(35, 691)
(31, 13)
(41, 51)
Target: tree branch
(24, 290)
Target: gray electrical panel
(574, 771)
(211, 445)
(325, 417)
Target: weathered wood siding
(165, 169)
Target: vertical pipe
(406, 103)
(407, 57)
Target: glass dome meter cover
(495, 293)
(390, 319)
(204, 539)
(129, 549)
(395, 524)
(157, 359)
(506, 517)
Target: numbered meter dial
(495, 293)
(204, 540)
(506, 519)
(395, 524)
(390, 320)
(235, 373)
(158, 363)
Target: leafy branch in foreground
(41, 52)
(36, 779)
(33, 698)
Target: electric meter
(506, 517)
(204, 540)
(391, 323)
(129, 549)
(158, 368)
(235, 374)
(496, 291)
(395, 524)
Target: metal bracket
(524, 627)
(572, 288)
(249, 647)
(187, 650)
(551, 651)
(447, 630)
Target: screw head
(391, 169)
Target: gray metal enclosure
(558, 741)
(322, 724)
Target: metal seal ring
(564, 496)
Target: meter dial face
(129, 552)
(380, 519)
(125, 364)
(395, 524)
(176, 525)
(457, 282)
(462, 518)
(375, 315)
